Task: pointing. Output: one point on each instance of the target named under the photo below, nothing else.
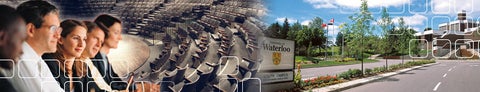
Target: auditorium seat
(185, 29)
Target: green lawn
(297, 58)
(334, 63)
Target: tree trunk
(309, 49)
(386, 62)
(402, 59)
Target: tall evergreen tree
(285, 29)
(273, 30)
(295, 28)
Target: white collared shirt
(34, 73)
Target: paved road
(447, 76)
(333, 70)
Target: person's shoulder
(97, 56)
(48, 56)
(50, 60)
(6, 85)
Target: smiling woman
(69, 47)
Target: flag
(331, 21)
(341, 25)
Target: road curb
(358, 82)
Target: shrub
(356, 73)
(407, 65)
(421, 62)
(351, 73)
(298, 78)
(368, 71)
(299, 61)
(397, 66)
(307, 82)
(346, 59)
(316, 61)
(325, 79)
(319, 81)
(349, 59)
(345, 75)
(378, 69)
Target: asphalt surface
(333, 70)
(446, 76)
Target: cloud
(282, 19)
(415, 28)
(415, 20)
(453, 6)
(317, 4)
(306, 22)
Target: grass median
(335, 63)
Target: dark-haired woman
(67, 70)
(113, 28)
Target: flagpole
(332, 21)
(327, 44)
(332, 36)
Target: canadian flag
(331, 21)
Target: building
(459, 35)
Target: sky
(418, 14)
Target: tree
(361, 28)
(302, 38)
(346, 31)
(317, 22)
(296, 26)
(292, 33)
(340, 41)
(385, 24)
(413, 45)
(273, 30)
(404, 39)
(310, 38)
(284, 30)
(428, 28)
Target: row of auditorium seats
(195, 34)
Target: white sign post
(277, 68)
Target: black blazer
(108, 73)
(5, 85)
(62, 77)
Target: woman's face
(115, 35)
(74, 43)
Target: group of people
(39, 52)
